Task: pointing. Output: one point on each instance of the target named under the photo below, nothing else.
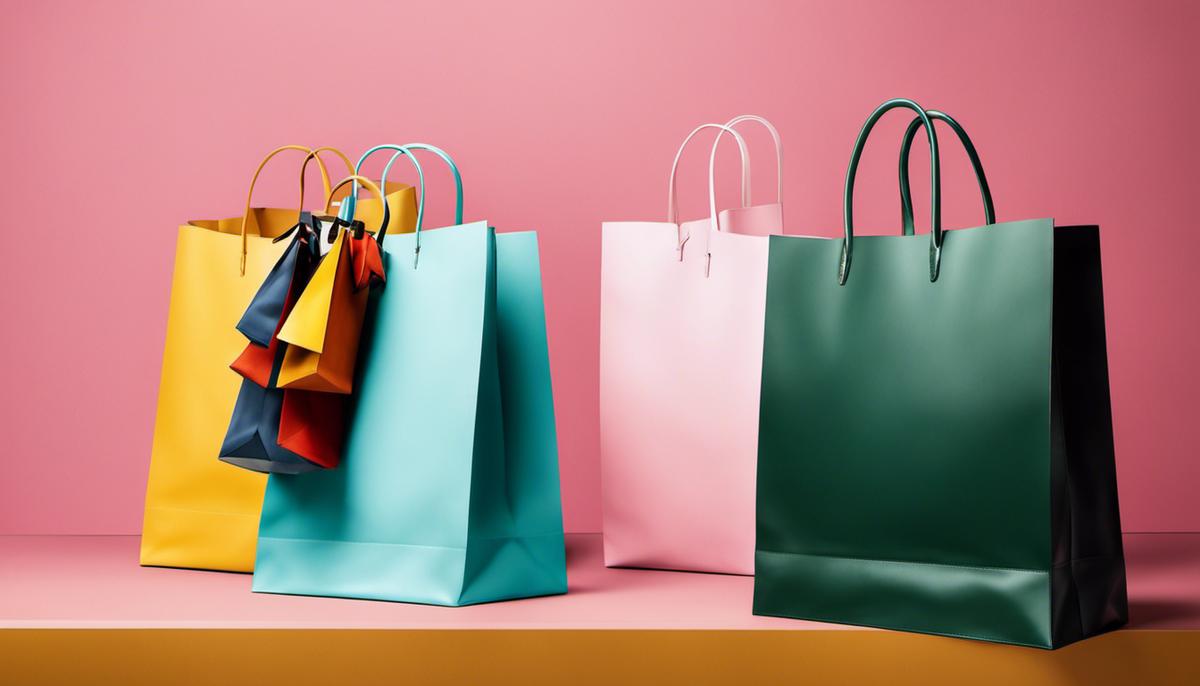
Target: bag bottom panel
(990, 604)
(425, 574)
(196, 539)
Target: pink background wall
(122, 119)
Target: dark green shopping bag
(935, 447)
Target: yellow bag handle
(312, 153)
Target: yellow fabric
(332, 369)
(402, 208)
(201, 512)
(305, 325)
(300, 371)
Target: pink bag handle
(672, 200)
(712, 174)
(745, 160)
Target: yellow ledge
(529, 657)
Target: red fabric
(367, 260)
(313, 425)
(255, 362)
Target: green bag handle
(935, 189)
(906, 207)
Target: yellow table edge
(333, 657)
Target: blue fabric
(262, 316)
(252, 440)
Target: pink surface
(94, 582)
(124, 119)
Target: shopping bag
(273, 430)
(313, 425)
(322, 331)
(200, 513)
(261, 320)
(264, 316)
(448, 491)
(681, 307)
(366, 258)
(254, 439)
(323, 328)
(935, 450)
(292, 431)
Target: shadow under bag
(935, 447)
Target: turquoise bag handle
(403, 151)
(406, 150)
(906, 207)
(350, 204)
(458, 184)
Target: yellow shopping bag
(323, 328)
(202, 513)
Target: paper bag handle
(311, 152)
(672, 199)
(458, 183)
(906, 206)
(749, 194)
(935, 189)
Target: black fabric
(1088, 583)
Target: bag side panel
(1089, 584)
(201, 513)
(516, 544)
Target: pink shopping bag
(681, 336)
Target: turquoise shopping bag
(448, 492)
